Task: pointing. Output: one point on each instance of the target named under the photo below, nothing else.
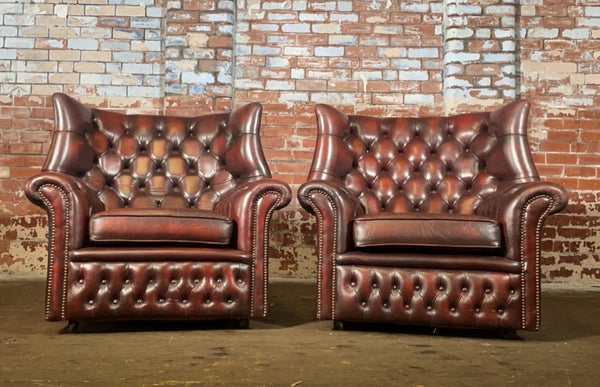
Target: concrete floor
(291, 348)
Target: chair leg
(338, 325)
(244, 323)
(72, 326)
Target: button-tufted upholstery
(429, 221)
(156, 217)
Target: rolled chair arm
(335, 209)
(68, 204)
(521, 211)
(251, 205)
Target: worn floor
(291, 348)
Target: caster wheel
(338, 325)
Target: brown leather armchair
(429, 221)
(156, 217)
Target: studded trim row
(538, 232)
(51, 257)
(320, 251)
(265, 248)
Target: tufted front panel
(167, 290)
(437, 298)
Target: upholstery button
(219, 280)
(91, 302)
(173, 281)
(374, 286)
(184, 300)
(417, 287)
(364, 303)
(161, 300)
(353, 284)
(103, 282)
(476, 310)
(464, 289)
(488, 291)
(394, 287)
(229, 301)
(385, 305)
(429, 307)
(441, 288)
(512, 291)
(80, 280)
(139, 301)
(115, 301)
(196, 281)
(406, 306)
(452, 310)
(500, 311)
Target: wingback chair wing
(429, 221)
(156, 217)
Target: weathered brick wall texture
(385, 57)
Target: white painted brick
(145, 92)
(297, 51)
(390, 75)
(197, 78)
(368, 75)
(577, 33)
(592, 11)
(296, 28)
(454, 45)
(388, 30)
(324, 6)
(406, 64)
(508, 45)
(483, 33)
(299, 5)
(418, 99)
(345, 6)
(272, 84)
(272, 5)
(95, 79)
(461, 57)
(414, 7)
(83, 44)
(343, 39)
(281, 16)
(423, 53)
(248, 84)
(295, 97)
(543, 32)
(19, 42)
(451, 82)
(414, 75)
(496, 58)
(499, 10)
(31, 78)
(452, 70)
(312, 16)
(504, 33)
(265, 27)
(459, 33)
(593, 22)
(278, 62)
(343, 17)
(297, 73)
(327, 28)
(8, 31)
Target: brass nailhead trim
(320, 252)
(265, 248)
(51, 257)
(538, 230)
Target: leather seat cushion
(161, 225)
(427, 230)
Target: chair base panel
(157, 291)
(429, 297)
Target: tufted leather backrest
(147, 161)
(430, 164)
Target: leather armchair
(429, 221)
(156, 217)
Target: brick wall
(385, 57)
